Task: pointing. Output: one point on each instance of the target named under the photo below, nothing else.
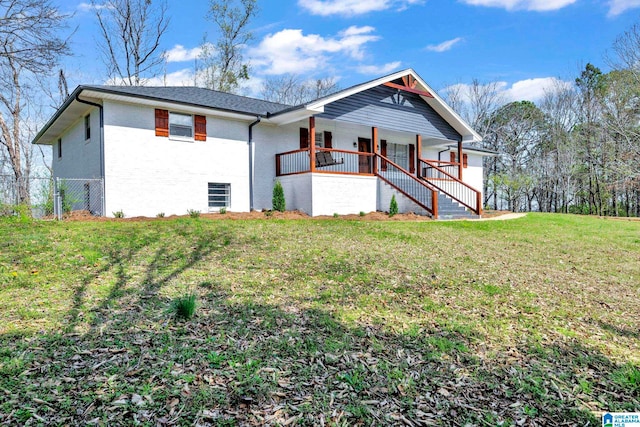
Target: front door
(364, 162)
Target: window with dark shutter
(412, 158)
(162, 123)
(383, 153)
(452, 156)
(201, 128)
(328, 138)
(304, 138)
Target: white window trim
(228, 196)
(87, 120)
(183, 138)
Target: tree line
(577, 150)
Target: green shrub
(393, 206)
(223, 211)
(268, 214)
(118, 214)
(362, 213)
(335, 215)
(185, 306)
(160, 215)
(193, 213)
(278, 201)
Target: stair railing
(453, 187)
(415, 189)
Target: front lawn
(311, 322)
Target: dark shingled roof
(197, 96)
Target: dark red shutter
(383, 153)
(412, 158)
(452, 156)
(465, 160)
(328, 139)
(200, 128)
(304, 138)
(162, 122)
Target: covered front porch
(354, 169)
(344, 150)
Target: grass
(184, 307)
(349, 322)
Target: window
(180, 125)
(319, 139)
(398, 154)
(219, 195)
(87, 127)
(59, 148)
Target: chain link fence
(77, 194)
(51, 197)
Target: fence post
(57, 203)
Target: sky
(522, 44)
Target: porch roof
(314, 107)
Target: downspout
(251, 162)
(443, 151)
(101, 108)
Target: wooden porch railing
(419, 191)
(335, 162)
(430, 170)
(450, 185)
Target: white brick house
(171, 149)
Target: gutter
(250, 143)
(102, 168)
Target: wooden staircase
(438, 192)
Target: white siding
(472, 175)
(405, 205)
(343, 194)
(80, 157)
(146, 175)
(297, 192)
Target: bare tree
(131, 31)
(293, 90)
(476, 102)
(558, 155)
(29, 47)
(29, 34)
(220, 65)
(625, 53)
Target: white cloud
(444, 46)
(290, 51)
(379, 69)
(184, 77)
(353, 7)
(524, 90)
(532, 5)
(531, 89)
(617, 7)
(88, 7)
(179, 54)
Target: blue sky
(524, 44)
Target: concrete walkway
(502, 217)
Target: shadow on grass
(257, 364)
(620, 331)
(248, 364)
(165, 265)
